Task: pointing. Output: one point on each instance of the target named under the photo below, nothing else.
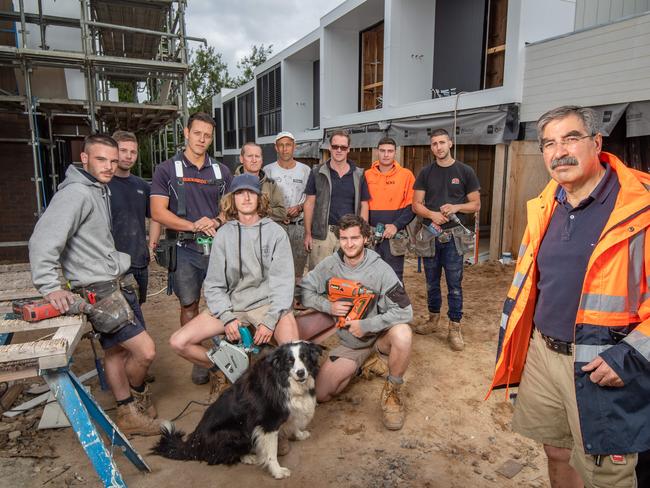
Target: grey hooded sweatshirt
(250, 266)
(75, 232)
(391, 308)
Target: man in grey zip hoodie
(75, 233)
(383, 331)
(249, 279)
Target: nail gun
(339, 289)
(232, 359)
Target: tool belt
(180, 236)
(165, 254)
(111, 311)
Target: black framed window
(269, 102)
(246, 117)
(229, 127)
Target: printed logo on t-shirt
(141, 192)
(455, 181)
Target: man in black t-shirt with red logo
(443, 189)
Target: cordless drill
(339, 289)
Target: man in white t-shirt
(291, 176)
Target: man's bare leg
(186, 341)
(560, 472)
(114, 361)
(141, 352)
(189, 312)
(396, 344)
(286, 330)
(333, 377)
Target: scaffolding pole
(32, 131)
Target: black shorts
(191, 268)
(141, 275)
(127, 332)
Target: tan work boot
(218, 384)
(374, 366)
(430, 326)
(454, 337)
(392, 406)
(143, 402)
(131, 421)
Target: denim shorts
(127, 332)
(191, 268)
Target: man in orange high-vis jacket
(391, 193)
(575, 329)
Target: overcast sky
(232, 27)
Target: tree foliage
(247, 64)
(207, 76)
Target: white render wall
(599, 66)
(408, 51)
(297, 95)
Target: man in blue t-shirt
(129, 208)
(443, 189)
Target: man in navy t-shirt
(443, 189)
(129, 208)
(185, 195)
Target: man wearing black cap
(251, 284)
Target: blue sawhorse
(85, 415)
(82, 410)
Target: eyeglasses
(568, 142)
(337, 147)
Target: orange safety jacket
(613, 319)
(391, 195)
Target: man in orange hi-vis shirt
(391, 193)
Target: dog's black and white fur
(277, 392)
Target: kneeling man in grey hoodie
(249, 280)
(384, 331)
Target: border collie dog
(277, 392)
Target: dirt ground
(452, 437)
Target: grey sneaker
(200, 375)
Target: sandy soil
(452, 437)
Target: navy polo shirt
(564, 254)
(201, 200)
(341, 194)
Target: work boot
(392, 406)
(283, 443)
(454, 337)
(131, 421)
(200, 375)
(430, 326)
(143, 402)
(374, 366)
(218, 384)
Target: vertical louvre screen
(246, 117)
(269, 102)
(229, 128)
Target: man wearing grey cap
(291, 176)
(249, 280)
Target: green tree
(247, 64)
(207, 76)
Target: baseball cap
(245, 182)
(284, 134)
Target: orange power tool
(339, 289)
(37, 310)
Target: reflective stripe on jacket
(613, 319)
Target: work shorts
(129, 331)
(254, 317)
(191, 268)
(546, 411)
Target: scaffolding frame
(107, 54)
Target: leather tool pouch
(425, 241)
(111, 313)
(464, 242)
(399, 244)
(166, 254)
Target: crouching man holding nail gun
(363, 292)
